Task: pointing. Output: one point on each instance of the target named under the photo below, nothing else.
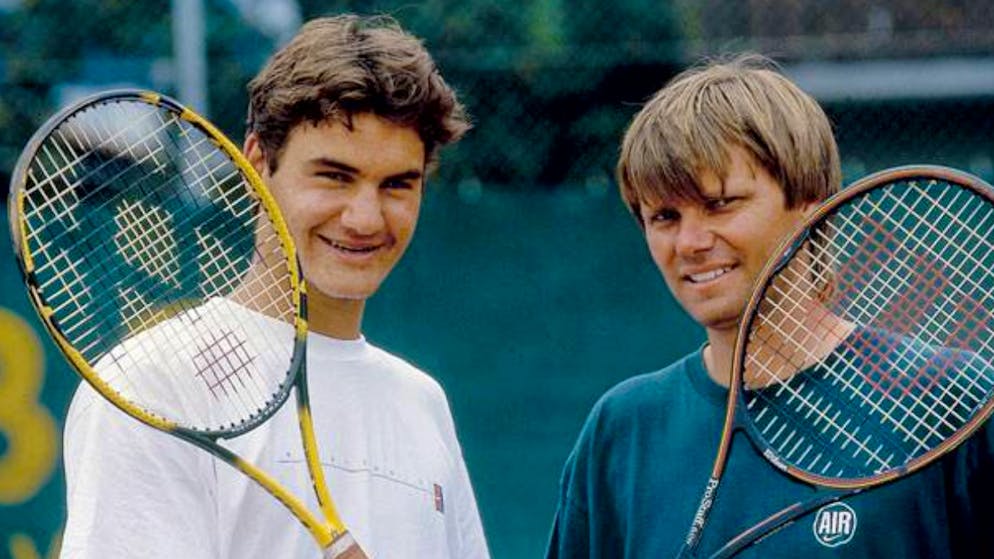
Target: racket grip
(344, 547)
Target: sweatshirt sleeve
(570, 536)
(970, 475)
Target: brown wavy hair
(337, 67)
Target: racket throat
(343, 546)
(701, 516)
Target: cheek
(301, 206)
(403, 216)
(280, 191)
(661, 251)
(778, 235)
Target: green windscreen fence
(524, 306)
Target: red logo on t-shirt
(439, 499)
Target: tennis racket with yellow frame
(161, 266)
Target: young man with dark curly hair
(344, 123)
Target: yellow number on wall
(29, 429)
(21, 547)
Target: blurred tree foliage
(549, 83)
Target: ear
(253, 152)
(807, 208)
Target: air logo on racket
(835, 524)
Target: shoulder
(644, 406)
(401, 373)
(409, 397)
(624, 426)
(648, 391)
(411, 393)
(96, 429)
(89, 413)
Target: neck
(333, 317)
(718, 354)
(782, 354)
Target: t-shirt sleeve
(133, 491)
(465, 529)
(471, 543)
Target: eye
(398, 184)
(718, 204)
(335, 176)
(664, 216)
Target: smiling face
(711, 252)
(351, 199)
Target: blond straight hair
(690, 125)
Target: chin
(723, 324)
(347, 295)
(718, 320)
(341, 293)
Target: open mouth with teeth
(357, 250)
(365, 249)
(708, 276)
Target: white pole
(190, 54)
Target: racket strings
(832, 430)
(166, 186)
(894, 284)
(950, 273)
(830, 427)
(826, 427)
(114, 154)
(95, 258)
(216, 181)
(96, 233)
(927, 286)
(941, 274)
(46, 184)
(233, 172)
(955, 276)
(898, 320)
(220, 280)
(150, 182)
(978, 395)
(851, 365)
(223, 360)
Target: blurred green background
(527, 291)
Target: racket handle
(344, 547)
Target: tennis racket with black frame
(161, 265)
(865, 351)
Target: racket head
(148, 242)
(864, 351)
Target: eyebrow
(406, 176)
(327, 162)
(412, 174)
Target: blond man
(717, 168)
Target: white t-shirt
(391, 458)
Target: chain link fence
(551, 84)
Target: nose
(695, 235)
(363, 213)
